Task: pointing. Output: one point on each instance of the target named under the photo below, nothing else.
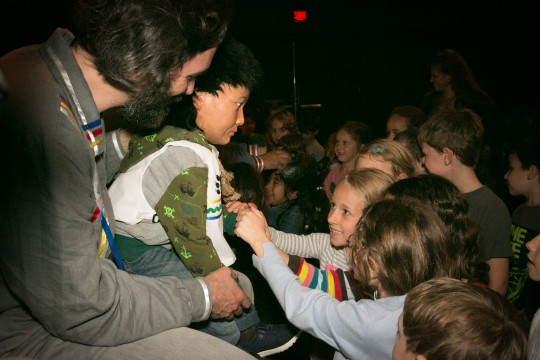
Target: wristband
(253, 149)
(260, 163)
(208, 303)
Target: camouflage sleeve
(182, 213)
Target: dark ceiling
(357, 58)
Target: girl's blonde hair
(370, 184)
(391, 152)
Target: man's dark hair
(141, 43)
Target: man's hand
(228, 300)
(276, 159)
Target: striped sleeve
(329, 281)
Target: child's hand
(251, 227)
(236, 206)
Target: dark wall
(361, 58)
(356, 58)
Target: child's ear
(292, 195)
(373, 269)
(448, 156)
(198, 98)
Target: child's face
(534, 258)
(394, 125)
(400, 351)
(308, 137)
(220, 116)
(347, 207)
(346, 147)
(439, 79)
(517, 178)
(275, 190)
(433, 160)
(365, 162)
(277, 130)
(248, 128)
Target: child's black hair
(300, 176)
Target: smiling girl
(348, 141)
(353, 194)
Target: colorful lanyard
(93, 133)
(110, 239)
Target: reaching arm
(252, 228)
(338, 283)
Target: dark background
(356, 59)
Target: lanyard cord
(110, 239)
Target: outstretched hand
(251, 226)
(228, 299)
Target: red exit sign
(299, 15)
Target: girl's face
(275, 190)
(346, 147)
(248, 128)
(396, 124)
(439, 79)
(347, 207)
(516, 177)
(277, 130)
(534, 258)
(220, 116)
(365, 162)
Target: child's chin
(337, 243)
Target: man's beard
(148, 109)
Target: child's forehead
(343, 134)
(347, 194)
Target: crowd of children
(418, 183)
(434, 160)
